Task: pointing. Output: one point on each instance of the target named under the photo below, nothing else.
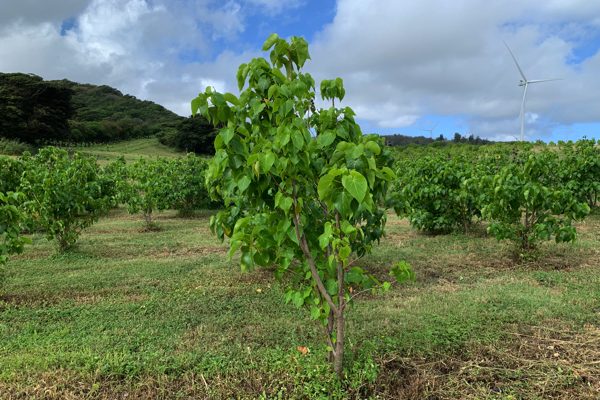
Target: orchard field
(137, 314)
(482, 283)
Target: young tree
(434, 193)
(64, 194)
(525, 203)
(302, 187)
(11, 241)
(149, 188)
(580, 170)
(188, 185)
(11, 170)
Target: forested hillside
(39, 112)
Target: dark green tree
(32, 110)
(194, 134)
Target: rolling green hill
(40, 112)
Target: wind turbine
(524, 82)
(430, 130)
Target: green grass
(130, 149)
(166, 315)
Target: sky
(409, 66)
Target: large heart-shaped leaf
(356, 184)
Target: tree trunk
(148, 219)
(329, 333)
(338, 355)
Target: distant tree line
(404, 140)
(39, 112)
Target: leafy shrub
(148, 188)
(434, 193)
(11, 241)
(64, 194)
(188, 189)
(525, 204)
(13, 147)
(10, 225)
(11, 170)
(580, 170)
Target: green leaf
(246, 261)
(326, 236)
(242, 73)
(356, 184)
(315, 312)
(267, 161)
(373, 147)
(402, 271)
(271, 40)
(343, 203)
(301, 47)
(231, 98)
(325, 139)
(226, 134)
(344, 252)
(297, 140)
(243, 183)
(298, 299)
(347, 227)
(325, 186)
(331, 286)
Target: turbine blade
(516, 62)
(544, 80)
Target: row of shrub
(526, 193)
(61, 194)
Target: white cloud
(447, 58)
(400, 60)
(274, 7)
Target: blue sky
(408, 66)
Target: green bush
(580, 170)
(148, 188)
(11, 217)
(13, 147)
(188, 188)
(11, 170)
(64, 194)
(525, 204)
(434, 193)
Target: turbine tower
(430, 130)
(524, 82)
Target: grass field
(130, 149)
(138, 315)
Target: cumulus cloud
(436, 57)
(402, 62)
